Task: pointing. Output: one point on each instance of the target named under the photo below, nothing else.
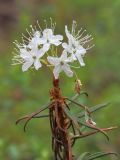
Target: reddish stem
(61, 142)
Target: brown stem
(61, 141)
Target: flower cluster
(40, 48)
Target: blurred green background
(22, 93)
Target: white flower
(30, 53)
(49, 38)
(35, 41)
(60, 64)
(32, 49)
(75, 44)
(31, 57)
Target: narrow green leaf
(77, 121)
(77, 96)
(68, 113)
(100, 154)
(94, 108)
(84, 92)
(73, 118)
(83, 156)
(42, 116)
(87, 117)
(95, 128)
(82, 128)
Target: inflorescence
(40, 47)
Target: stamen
(49, 65)
(17, 60)
(89, 47)
(17, 44)
(29, 33)
(26, 37)
(86, 41)
(74, 25)
(74, 66)
(82, 33)
(56, 52)
(32, 28)
(53, 26)
(45, 23)
(24, 41)
(35, 28)
(85, 37)
(51, 22)
(78, 34)
(39, 26)
(16, 49)
(13, 64)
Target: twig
(91, 133)
(78, 104)
(29, 117)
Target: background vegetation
(22, 93)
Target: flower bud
(78, 85)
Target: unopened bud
(78, 85)
(91, 122)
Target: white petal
(70, 37)
(81, 50)
(64, 56)
(53, 60)
(67, 47)
(47, 33)
(72, 58)
(71, 41)
(59, 37)
(54, 41)
(77, 43)
(43, 50)
(80, 59)
(64, 45)
(67, 70)
(40, 52)
(26, 65)
(42, 40)
(37, 34)
(34, 42)
(26, 56)
(56, 71)
(67, 33)
(46, 47)
(24, 53)
(31, 44)
(37, 64)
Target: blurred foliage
(22, 93)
